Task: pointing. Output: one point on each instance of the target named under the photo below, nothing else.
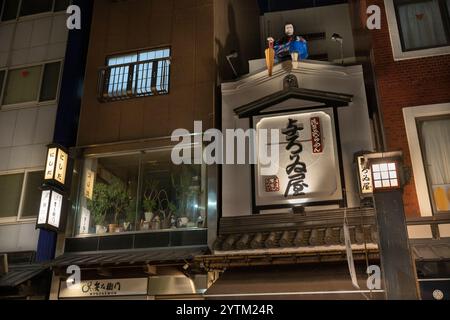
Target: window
(2, 79)
(21, 8)
(414, 117)
(22, 85)
(30, 7)
(138, 74)
(423, 24)
(32, 84)
(434, 136)
(50, 81)
(142, 191)
(20, 194)
(10, 8)
(418, 28)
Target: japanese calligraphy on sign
(308, 168)
(272, 184)
(296, 169)
(51, 160)
(89, 184)
(105, 288)
(365, 177)
(316, 135)
(61, 166)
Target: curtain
(436, 138)
(421, 25)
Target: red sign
(316, 135)
(272, 184)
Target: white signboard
(50, 166)
(89, 184)
(61, 167)
(85, 220)
(365, 177)
(308, 168)
(45, 202)
(104, 288)
(54, 214)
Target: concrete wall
(328, 19)
(236, 29)
(354, 124)
(121, 27)
(25, 130)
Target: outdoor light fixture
(50, 210)
(56, 165)
(380, 171)
(337, 38)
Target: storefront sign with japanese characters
(308, 168)
(365, 177)
(104, 288)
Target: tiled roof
(18, 274)
(129, 257)
(295, 238)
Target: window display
(143, 191)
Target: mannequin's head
(289, 29)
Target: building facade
(33, 39)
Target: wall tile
(25, 126)
(7, 124)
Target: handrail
(132, 80)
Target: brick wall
(403, 84)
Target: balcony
(134, 80)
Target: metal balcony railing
(132, 80)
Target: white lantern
(50, 210)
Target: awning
(309, 282)
(129, 257)
(19, 274)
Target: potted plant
(99, 206)
(150, 199)
(119, 200)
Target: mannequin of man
(290, 46)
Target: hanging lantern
(56, 165)
(50, 210)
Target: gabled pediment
(256, 107)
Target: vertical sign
(85, 220)
(55, 209)
(365, 177)
(316, 135)
(89, 184)
(43, 210)
(61, 166)
(51, 160)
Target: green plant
(149, 205)
(99, 205)
(119, 198)
(109, 200)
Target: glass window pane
(10, 191)
(109, 195)
(35, 6)
(22, 85)
(50, 81)
(32, 196)
(2, 78)
(10, 10)
(61, 5)
(435, 136)
(421, 24)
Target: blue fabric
(301, 47)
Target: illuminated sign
(56, 165)
(50, 210)
(308, 168)
(365, 177)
